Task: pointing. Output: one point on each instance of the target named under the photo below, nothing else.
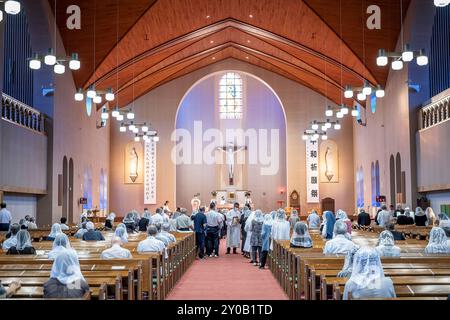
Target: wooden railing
(22, 115)
(437, 111)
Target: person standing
(266, 231)
(245, 214)
(200, 222)
(281, 229)
(184, 222)
(214, 222)
(313, 220)
(256, 237)
(384, 217)
(233, 229)
(363, 218)
(5, 218)
(294, 218)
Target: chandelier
(363, 92)
(398, 58)
(51, 59)
(314, 135)
(340, 112)
(95, 95)
(143, 131)
(11, 7)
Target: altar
(225, 199)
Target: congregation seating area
(149, 276)
(309, 274)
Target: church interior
(261, 126)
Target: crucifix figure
(231, 150)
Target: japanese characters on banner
(312, 171)
(150, 173)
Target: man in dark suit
(200, 231)
(363, 218)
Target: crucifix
(230, 151)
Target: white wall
(20, 206)
(438, 199)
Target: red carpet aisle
(229, 277)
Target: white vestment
(233, 229)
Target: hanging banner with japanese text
(150, 172)
(312, 171)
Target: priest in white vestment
(233, 229)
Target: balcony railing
(22, 115)
(435, 112)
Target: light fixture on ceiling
(35, 62)
(361, 96)
(58, 63)
(337, 125)
(379, 93)
(97, 99)
(367, 89)
(355, 112)
(315, 125)
(94, 94)
(115, 113)
(250, 16)
(398, 58)
(59, 68)
(441, 3)
(130, 115)
(344, 110)
(329, 112)
(79, 96)
(363, 92)
(12, 7)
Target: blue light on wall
(89, 106)
(373, 103)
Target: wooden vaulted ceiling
(141, 44)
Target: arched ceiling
(142, 44)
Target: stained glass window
(230, 96)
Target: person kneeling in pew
(116, 251)
(386, 245)
(23, 245)
(367, 279)
(60, 244)
(66, 280)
